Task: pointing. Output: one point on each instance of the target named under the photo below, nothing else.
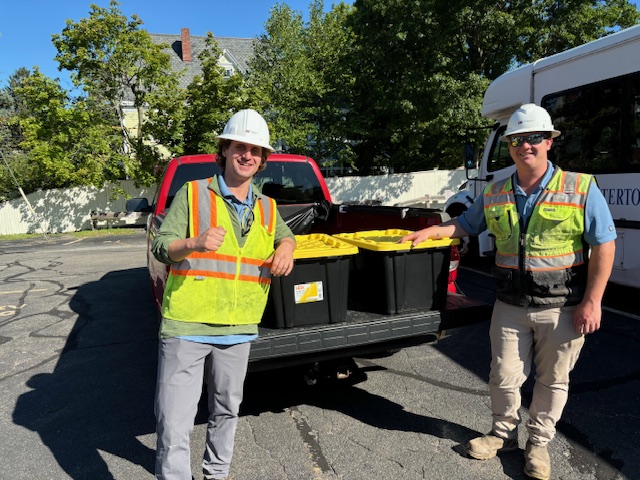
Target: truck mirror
(138, 205)
(469, 156)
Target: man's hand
(587, 317)
(449, 229)
(281, 262)
(420, 236)
(208, 241)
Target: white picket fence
(70, 210)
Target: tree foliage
(420, 67)
(115, 61)
(298, 71)
(379, 85)
(70, 142)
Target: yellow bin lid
(321, 245)
(387, 240)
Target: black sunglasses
(533, 139)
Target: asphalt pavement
(78, 345)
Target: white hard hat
(529, 118)
(247, 126)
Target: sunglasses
(533, 139)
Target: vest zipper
(521, 248)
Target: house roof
(237, 50)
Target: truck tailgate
(362, 333)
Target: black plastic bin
(316, 291)
(389, 277)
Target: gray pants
(181, 367)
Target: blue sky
(26, 26)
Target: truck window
(188, 172)
(290, 183)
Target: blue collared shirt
(598, 222)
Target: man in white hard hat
(223, 240)
(549, 289)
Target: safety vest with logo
(231, 285)
(541, 262)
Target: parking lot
(77, 371)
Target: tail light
(454, 263)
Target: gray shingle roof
(238, 50)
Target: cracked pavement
(77, 378)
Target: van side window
(600, 126)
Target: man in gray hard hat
(555, 246)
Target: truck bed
(362, 333)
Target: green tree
(421, 67)
(298, 72)
(281, 72)
(115, 61)
(69, 141)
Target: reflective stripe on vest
(553, 240)
(229, 286)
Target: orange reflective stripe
(195, 209)
(563, 180)
(564, 204)
(213, 222)
(272, 216)
(261, 209)
(226, 258)
(252, 261)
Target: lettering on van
(622, 196)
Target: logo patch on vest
(199, 277)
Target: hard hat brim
(505, 138)
(243, 139)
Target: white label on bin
(308, 292)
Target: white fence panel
(396, 187)
(64, 210)
(69, 210)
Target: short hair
(222, 161)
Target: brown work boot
(489, 445)
(537, 463)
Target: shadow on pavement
(100, 396)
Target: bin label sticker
(308, 292)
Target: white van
(592, 93)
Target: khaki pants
(520, 336)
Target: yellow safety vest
(231, 285)
(543, 262)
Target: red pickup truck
(304, 202)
